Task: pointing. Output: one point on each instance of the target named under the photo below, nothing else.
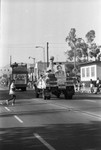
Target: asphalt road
(56, 124)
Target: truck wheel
(48, 97)
(44, 97)
(70, 96)
(37, 95)
(66, 97)
(58, 95)
(23, 89)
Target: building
(5, 71)
(90, 70)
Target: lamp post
(33, 59)
(43, 54)
(33, 65)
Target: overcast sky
(29, 23)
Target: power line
(56, 43)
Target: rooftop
(90, 63)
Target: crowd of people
(93, 87)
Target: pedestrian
(97, 84)
(91, 86)
(41, 83)
(83, 87)
(12, 93)
(79, 86)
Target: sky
(25, 24)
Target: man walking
(97, 85)
(12, 93)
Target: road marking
(64, 107)
(18, 119)
(7, 108)
(43, 141)
(69, 108)
(90, 101)
(91, 114)
(15, 115)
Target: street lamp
(33, 59)
(33, 66)
(43, 54)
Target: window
(83, 72)
(92, 71)
(87, 72)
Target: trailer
(20, 75)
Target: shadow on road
(60, 136)
(29, 94)
(4, 94)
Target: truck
(20, 75)
(57, 82)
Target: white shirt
(11, 89)
(41, 84)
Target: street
(55, 124)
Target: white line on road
(90, 101)
(7, 108)
(18, 119)
(78, 110)
(91, 114)
(15, 115)
(61, 106)
(43, 141)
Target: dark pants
(13, 97)
(97, 85)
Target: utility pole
(43, 54)
(75, 58)
(10, 60)
(47, 54)
(32, 68)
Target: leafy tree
(90, 36)
(69, 67)
(77, 45)
(80, 50)
(94, 50)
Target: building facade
(90, 70)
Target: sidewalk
(87, 90)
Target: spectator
(97, 84)
(83, 87)
(41, 83)
(91, 86)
